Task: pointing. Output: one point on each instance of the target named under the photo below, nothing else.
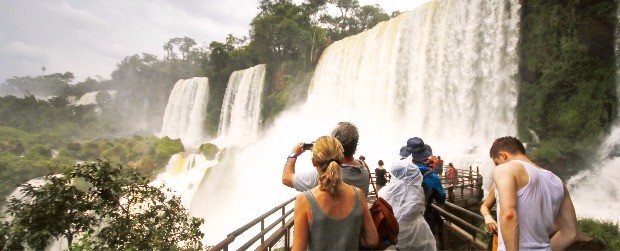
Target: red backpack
(385, 222)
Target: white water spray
(445, 72)
(239, 120)
(183, 175)
(186, 111)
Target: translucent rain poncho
(405, 194)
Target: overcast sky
(88, 37)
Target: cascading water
(183, 175)
(238, 125)
(186, 111)
(595, 192)
(91, 98)
(445, 72)
(240, 115)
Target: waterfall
(183, 175)
(91, 98)
(595, 192)
(445, 72)
(240, 115)
(186, 111)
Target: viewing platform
(273, 230)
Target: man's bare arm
(289, 168)
(506, 185)
(289, 172)
(566, 221)
(485, 210)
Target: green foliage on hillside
(56, 84)
(567, 95)
(166, 147)
(99, 206)
(32, 115)
(605, 232)
(208, 150)
(26, 154)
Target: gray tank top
(331, 234)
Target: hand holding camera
(301, 148)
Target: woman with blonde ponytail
(332, 215)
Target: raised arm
(506, 185)
(485, 210)
(289, 168)
(566, 221)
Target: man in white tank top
(530, 200)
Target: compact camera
(308, 146)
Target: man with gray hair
(354, 172)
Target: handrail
(223, 245)
(465, 211)
(455, 225)
(267, 229)
(457, 219)
(282, 231)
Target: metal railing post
(262, 227)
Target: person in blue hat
(433, 190)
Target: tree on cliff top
(102, 206)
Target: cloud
(17, 49)
(90, 37)
(72, 14)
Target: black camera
(308, 146)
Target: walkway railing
(460, 228)
(469, 184)
(281, 236)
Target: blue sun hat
(417, 149)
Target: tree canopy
(102, 207)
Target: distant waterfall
(186, 111)
(445, 72)
(595, 191)
(90, 98)
(240, 115)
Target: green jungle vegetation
(604, 234)
(136, 215)
(567, 94)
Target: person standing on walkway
(433, 190)
(438, 169)
(380, 173)
(354, 172)
(406, 196)
(452, 175)
(332, 215)
(530, 200)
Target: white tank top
(538, 203)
